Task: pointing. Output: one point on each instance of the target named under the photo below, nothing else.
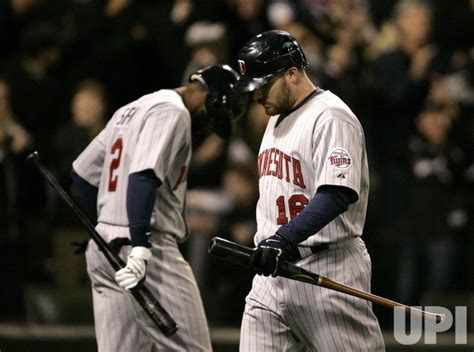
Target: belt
(115, 245)
(299, 253)
(302, 252)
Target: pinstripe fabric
(153, 132)
(306, 139)
(287, 315)
(122, 325)
(320, 143)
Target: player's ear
(292, 75)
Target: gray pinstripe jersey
(321, 143)
(153, 132)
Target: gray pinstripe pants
(122, 325)
(287, 315)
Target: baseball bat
(238, 254)
(141, 293)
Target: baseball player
(134, 174)
(314, 183)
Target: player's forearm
(328, 203)
(140, 200)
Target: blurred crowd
(405, 67)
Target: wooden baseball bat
(238, 254)
(141, 293)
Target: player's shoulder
(331, 103)
(167, 99)
(163, 104)
(333, 107)
(164, 98)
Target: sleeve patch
(340, 158)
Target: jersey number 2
(296, 203)
(115, 163)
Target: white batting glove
(134, 272)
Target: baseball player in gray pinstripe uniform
(134, 173)
(314, 183)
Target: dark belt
(115, 245)
(296, 255)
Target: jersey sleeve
(161, 139)
(337, 152)
(89, 163)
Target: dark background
(407, 71)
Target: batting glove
(265, 258)
(134, 272)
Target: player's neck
(193, 97)
(303, 90)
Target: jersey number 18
(296, 204)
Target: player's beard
(280, 103)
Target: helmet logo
(243, 67)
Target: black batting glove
(265, 258)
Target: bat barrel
(230, 251)
(141, 294)
(238, 254)
(154, 310)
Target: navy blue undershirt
(140, 200)
(87, 191)
(328, 202)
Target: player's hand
(134, 272)
(266, 256)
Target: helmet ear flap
(217, 112)
(302, 61)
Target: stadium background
(406, 68)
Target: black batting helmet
(266, 55)
(223, 103)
